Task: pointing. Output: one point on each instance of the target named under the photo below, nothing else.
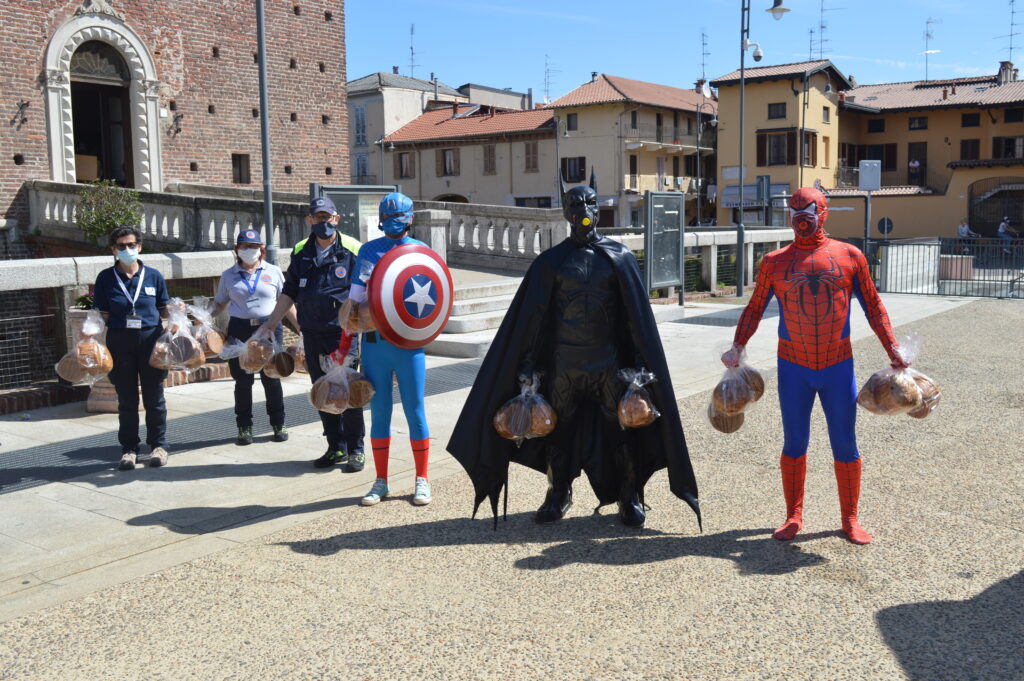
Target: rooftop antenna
(810, 46)
(1013, 28)
(929, 34)
(823, 26)
(412, 51)
(548, 70)
(704, 54)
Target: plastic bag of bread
(203, 327)
(258, 352)
(724, 423)
(896, 391)
(356, 317)
(176, 348)
(281, 365)
(360, 389)
(636, 409)
(527, 415)
(931, 394)
(298, 352)
(89, 360)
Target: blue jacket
(319, 290)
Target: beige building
(636, 136)
(381, 103)
(475, 153)
(505, 98)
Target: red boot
(794, 471)
(848, 479)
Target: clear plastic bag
(257, 352)
(89, 360)
(203, 328)
(739, 388)
(894, 391)
(356, 317)
(636, 409)
(298, 352)
(341, 387)
(281, 364)
(527, 415)
(176, 348)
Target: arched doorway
(100, 110)
(452, 198)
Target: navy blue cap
(248, 236)
(322, 204)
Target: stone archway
(97, 20)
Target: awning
(730, 197)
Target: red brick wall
(181, 35)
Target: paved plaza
(246, 563)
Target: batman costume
(581, 314)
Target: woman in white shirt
(249, 289)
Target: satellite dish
(705, 89)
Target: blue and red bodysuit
(814, 280)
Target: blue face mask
(323, 230)
(128, 256)
(393, 226)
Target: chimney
(853, 81)
(593, 76)
(455, 109)
(698, 85)
(945, 93)
(1007, 74)
(394, 70)
(529, 98)
(952, 90)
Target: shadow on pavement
(754, 551)
(980, 638)
(203, 519)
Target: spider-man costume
(813, 279)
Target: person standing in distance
(250, 289)
(133, 299)
(317, 284)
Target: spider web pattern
(814, 288)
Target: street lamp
(700, 128)
(564, 127)
(776, 10)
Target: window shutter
(398, 165)
(565, 169)
(889, 157)
(814, 150)
(791, 148)
(439, 162)
(455, 161)
(762, 150)
(843, 158)
(997, 147)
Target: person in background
(250, 289)
(1006, 232)
(317, 283)
(914, 172)
(133, 299)
(964, 232)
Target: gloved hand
(732, 356)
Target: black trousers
(345, 431)
(131, 349)
(242, 329)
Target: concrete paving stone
(12, 443)
(19, 583)
(105, 502)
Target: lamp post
(700, 129)
(777, 11)
(268, 198)
(559, 124)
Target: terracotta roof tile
(439, 124)
(959, 92)
(606, 89)
(774, 71)
(894, 190)
(379, 80)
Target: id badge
(133, 322)
(302, 283)
(252, 303)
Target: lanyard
(255, 281)
(138, 289)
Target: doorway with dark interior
(100, 112)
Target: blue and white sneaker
(421, 497)
(377, 492)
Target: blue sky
(503, 44)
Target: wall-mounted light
(391, 146)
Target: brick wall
(181, 36)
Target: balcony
(667, 138)
(929, 179)
(637, 183)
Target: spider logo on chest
(809, 284)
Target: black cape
(485, 455)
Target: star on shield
(420, 296)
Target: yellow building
(948, 149)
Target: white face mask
(249, 255)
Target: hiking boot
(421, 497)
(244, 436)
(158, 457)
(127, 461)
(377, 492)
(280, 434)
(356, 461)
(330, 458)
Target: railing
(170, 221)
(949, 267)
(935, 179)
(668, 135)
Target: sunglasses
(122, 246)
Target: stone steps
(477, 313)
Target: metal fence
(949, 267)
(31, 337)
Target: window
(574, 168)
(970, 120)
(675, 168)
(826, 114)
(572, 121)
(918, 123)
(658, 128)
(970, 150)
(675, 127)
(534, 202)
(1008, 147)
(826, 148)
(359, 116)
(632, 120)
(240, 169)
(886, 153)
(1013, 116)
(362, 169)
(776, 149)
(532, 160)
(490, 159)
(876, 125)
(405, 164)
(691, 165)
(446, 162)
(777, 110)
(810, 149)
(633, 168)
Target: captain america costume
(813, 280)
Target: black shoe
(244, 436)
(330, 458)
(356, 461)
(631, 511)
(280, 434)
(556, 504)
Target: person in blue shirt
(381, 360)
(317, 284)
(133, 299)
(249, 289)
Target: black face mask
(579, 206)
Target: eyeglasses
(321, 217)
(122, 245)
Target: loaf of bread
(543, 418)
(356, 317)
(282, 365)
(931, 394)
(161, 357)
(360, 391)
(724, 423)
(329, 396)
(70, 368)
(732, 394)
(635, 410)
(514, 420)
(186, 350)
(213, 342)
(94, 357)
(298, 353)
(890, 392)
(752, 377)
(256, 355)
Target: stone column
(431, 227)
(709, 266)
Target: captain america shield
(410, 293)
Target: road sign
(885, 226)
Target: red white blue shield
(410, 293)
